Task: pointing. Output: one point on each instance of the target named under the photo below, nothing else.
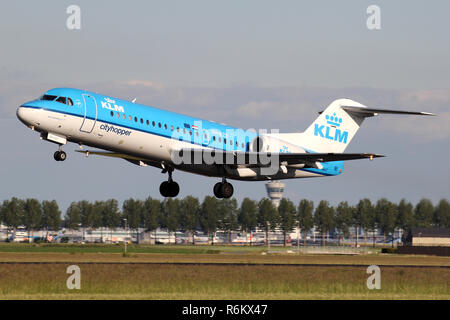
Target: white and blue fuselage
(145, 132)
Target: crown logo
(333, 120)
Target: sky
(250, 64)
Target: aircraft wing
(207, 156)
(250, 159)
(135, 160)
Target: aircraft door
(90, 113)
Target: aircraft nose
(22, 114)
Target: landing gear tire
(169, 189)
(227, 190)
(217, 191)
(60, 156)
(223, 190)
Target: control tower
(275, 191)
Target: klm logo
(331, 131)
(110, 104)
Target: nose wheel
(60, 155)
(169, 188)
(223, 189)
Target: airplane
(149, 136)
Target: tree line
(190, 214)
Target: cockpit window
(61, 100)
(48, 97)
(64, 100)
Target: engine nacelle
(266, 143)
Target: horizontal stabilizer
(370, 112)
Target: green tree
(132, 212)
(441, 216)
(362, 218)
(32, 216)
(247, 217)
(111, 215)
(423, 213)
(209, 215)
(324, 218)
(51, 215)
(72, 218)
(228, 212)
(171, 214)
(287, 213)
(151, 214)
(387, 213)
(405, 217)
(267, 214)
(305, 216)
(344, 218)
(86, 215)
(190, 215)
(12, 213)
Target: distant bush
(212, 251)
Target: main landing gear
(60, 155)
(223, 189)
(169, 188)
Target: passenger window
(135, 119)
(112, 114)
(142, 120)
(224, 140)
(171, 128)
(148, 122)
(153, 123)
(220, 139)
(159, 124)
(129, 118)
(124, 116)
(165, 126)
(118, 115)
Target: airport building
(429, 237)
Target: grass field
(145, 274)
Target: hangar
(429, 237)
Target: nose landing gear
(60, 155)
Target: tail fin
(333, 130)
